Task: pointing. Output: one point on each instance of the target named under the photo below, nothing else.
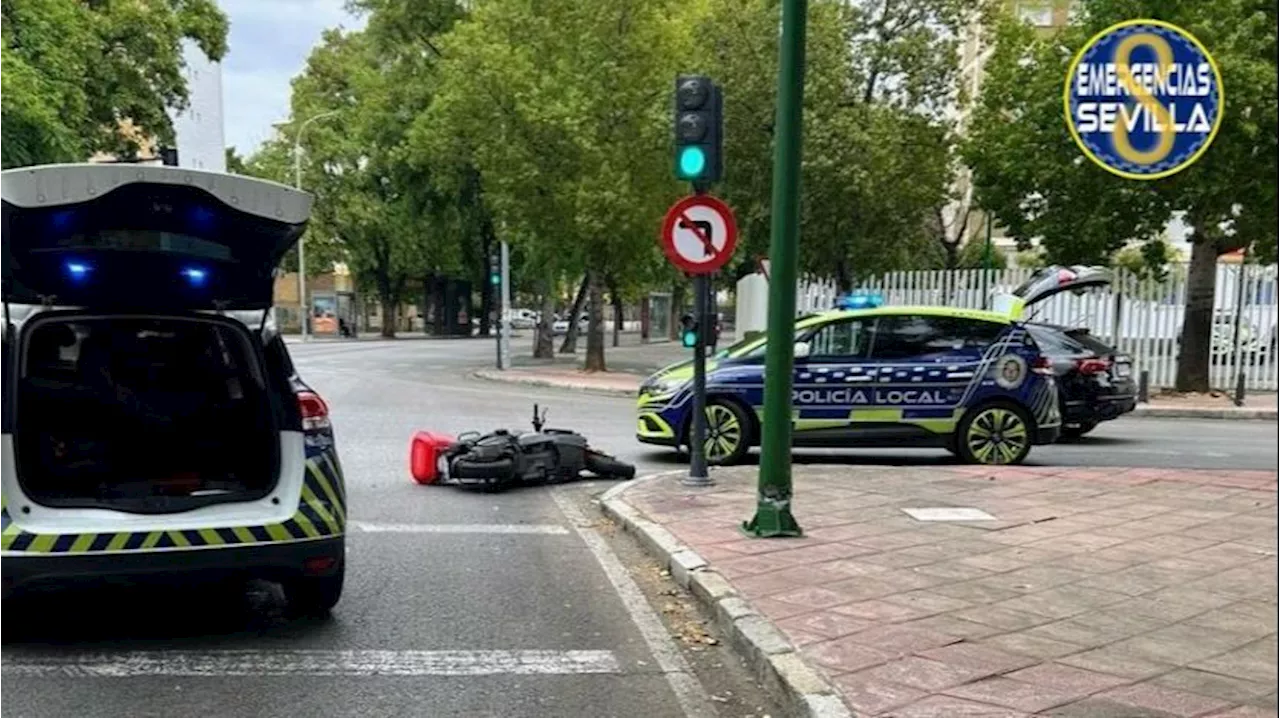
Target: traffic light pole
(698, 429)
(504, 310)
(773, 505)
(698, 476)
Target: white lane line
(353, 663)
(541, 529)
(684, 682)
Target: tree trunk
(952, 250)
(388, 319)
(543, 339)
(595, 324)
(1197, 320)
(677, 309)
(570, 344)
(488, 292)
(616, 298)
(844, 278)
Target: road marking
(353, 663)
(684, 682)
(541, 529)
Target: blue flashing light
(201, 217)
(61, 221)
(195, 276)
(860, 300)
(77, 270)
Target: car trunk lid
(1049, 282)
(145, 238)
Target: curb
(771, 655)
(497, 376)
(1191, 412)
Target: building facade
(201, 137)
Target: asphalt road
(451, 401)
(458, 604)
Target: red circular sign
(699, 234)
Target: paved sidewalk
(1092, 593)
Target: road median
(877, 612)
(606, 383)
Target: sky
(268, 45)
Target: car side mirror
(801, 350)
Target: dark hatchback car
(1095, 382)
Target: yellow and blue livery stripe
(321, 513)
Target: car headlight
(661, 386)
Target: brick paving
(1116, 593)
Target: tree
(563, 107)
(374, 204)
(235, 163)
(1031, 176)
(974, 255)
(81, 77)
(878, 149)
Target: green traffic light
(689, 338)
(692, 161)
(495, 279)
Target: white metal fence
(1140, 317)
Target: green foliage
(235, 163)
(1031, 176)
(877, 148)
(1149, 260)
(974, 255)
(75, 71)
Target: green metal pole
(773, 506)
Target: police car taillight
(315, 413)
(1042, 365)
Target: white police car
(153, 424)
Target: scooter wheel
(607, 466)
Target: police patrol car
(153, 423)
(972, 382)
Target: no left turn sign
(699, 234)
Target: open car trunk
(143, 413)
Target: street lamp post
(305, 311)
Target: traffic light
(495, 268)
(688, 330)
(699, 129)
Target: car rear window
(1092, 344)
(1054, 341)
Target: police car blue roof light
(194, 275)
(860, 300)
(77, 270)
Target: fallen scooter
(503, 459)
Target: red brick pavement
(1095, 592)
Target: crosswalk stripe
(543, 529)
(351, 663)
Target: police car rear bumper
(275, 562)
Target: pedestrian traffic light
(688, 330)
(699, 129)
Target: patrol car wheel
(994, 434)
(314, 595)
(728, 433)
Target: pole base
(772, 521)
(697, 482)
